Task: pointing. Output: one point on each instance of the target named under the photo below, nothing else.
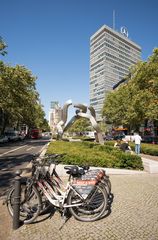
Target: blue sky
(51, 38)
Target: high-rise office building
(112, 53)
(54, 115)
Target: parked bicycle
(84, 195)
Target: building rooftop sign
(124, 31)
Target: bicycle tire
(91, 211)
(107, 184)
(98, 201)
(29, 211)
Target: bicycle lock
(16, 201)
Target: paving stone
(134, 216)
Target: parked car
(89, 134)
(3, 139)
(119, 137)
(12, 136)
(108, 138)
(150, 139)
(21, 136)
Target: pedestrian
(137, 140)
(117, 143)
(125, 146)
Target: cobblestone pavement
(134, 216)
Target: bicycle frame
(51, 185)
(58, 200)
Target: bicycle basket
(84, 187)
(97, 174)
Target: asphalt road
(14, 156)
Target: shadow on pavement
(8, 166)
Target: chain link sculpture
(81, 111)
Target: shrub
(93, 154)
(151, 149)
(146, 148)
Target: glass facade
(111, 55)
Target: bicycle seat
(74, 171)
(85, 167)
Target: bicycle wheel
(92, 208)
(46, 205)
(107, 184)
(30, 203)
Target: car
(46, 134)
(108, 138)
(12, 136)
(21, 136)
(89, 134)
(150, 139)
(119, 137)
(3, 139)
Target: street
(14, 156)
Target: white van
(89, 134)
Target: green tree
(80, 125)
(19, 102)
(45, 126)
(137, 100)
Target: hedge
(146, 148)
(88, 153)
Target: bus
(36, 133)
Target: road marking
(12, 150)
(30, 148)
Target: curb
(109, 171)
(43, 150)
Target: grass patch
(88, 153)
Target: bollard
(16, 202)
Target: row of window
(98, 42)
(100, 60)
(114, 66)
(111, 74)
(96, 38)
(117, 43)
(113, 57)
(120, 58)
(113, 37)
(117, 50)
(117, 61)
(118, 64)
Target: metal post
(16, 202)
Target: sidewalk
(149, 157)
(150, 163)
(133, 216)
